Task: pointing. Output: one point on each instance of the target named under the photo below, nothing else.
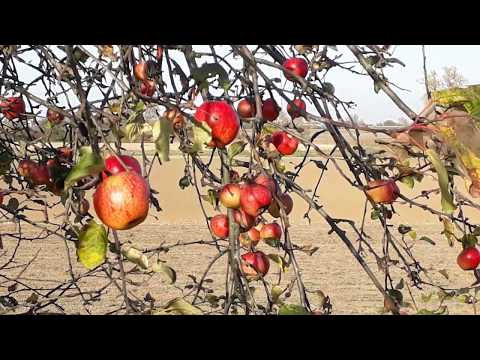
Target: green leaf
(276, 292)
(235, 149)
(412, 234)
(180, 306)
(160, 267)
(92, 245)
(202, 135)
(161, 130)
(404, 229)
(447, 199)
(376, 86)
(135, 256)
(400, 285)
(280, 261)
(207, 71)
(291, 309)
(89, 164)
(448, 230)
(408, 180)
(395, 61)
(427, 239)
(375, 214)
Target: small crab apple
(382, 191)
(147, 88)
(287, 202)
(255, 198)
(469, 258)
(270, 110)
(292, 111)
(219, 225)
(222, 119)
(285, 143)
(230, 196)
(271, 232)
(113, 166)
(249, 238)
(255, 264)
(244, 220)
(13, 107)
(298, 66)
(175, 117)
(246, 108)
(54, 117)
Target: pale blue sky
(371, 107)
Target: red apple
(255, 198)
(54, 117)
(24, 167)
(39, 174)
(249, 238)
(245, 221)
(298, 66)
(230, 196)
(246, 108)
(219, 225)
(287, 202)
(13, 107)
(285, 143)
(254, 264)
(271, 231)
(65, 154)
(113, 165)
(270, 110)
(222, 119)
(148, 87)
(175, 117)
(469, 258)
(140, 71)
(121, 201)
(267, 181)
(293, 112)
(382, 191)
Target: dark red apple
(292, 111)
(267, 181)
(285, 143)
(230, 196)
(219, 225)
(255, 264)
(255, 198)
(270, 110)
(54, 117)
(287, 202)
(382, 191)
(39, 174)
(469, 258)
(245, 221)
(222, 119)
(246, 108)
(298, 66)
(249, 238)
(122, 201)
(24, 167)
(13, 107)
(113, 165)
(148, 87)
(272, 232)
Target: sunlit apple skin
(140, 71)
(294, 113)
(382, 191)
(267, 181)
(270, 110)
(274, 208)
(219, 225)
(246, 108)
(469, 258)
(255, 198)
(122, 201)
(285, 143)
(296, 65)
(245, 221)
(222, 119)
(271, 231)
(230, 196)
(147, 88)
(13, 107)
(113, 165)
(54, 117)
(255, 263)
(250, 238)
